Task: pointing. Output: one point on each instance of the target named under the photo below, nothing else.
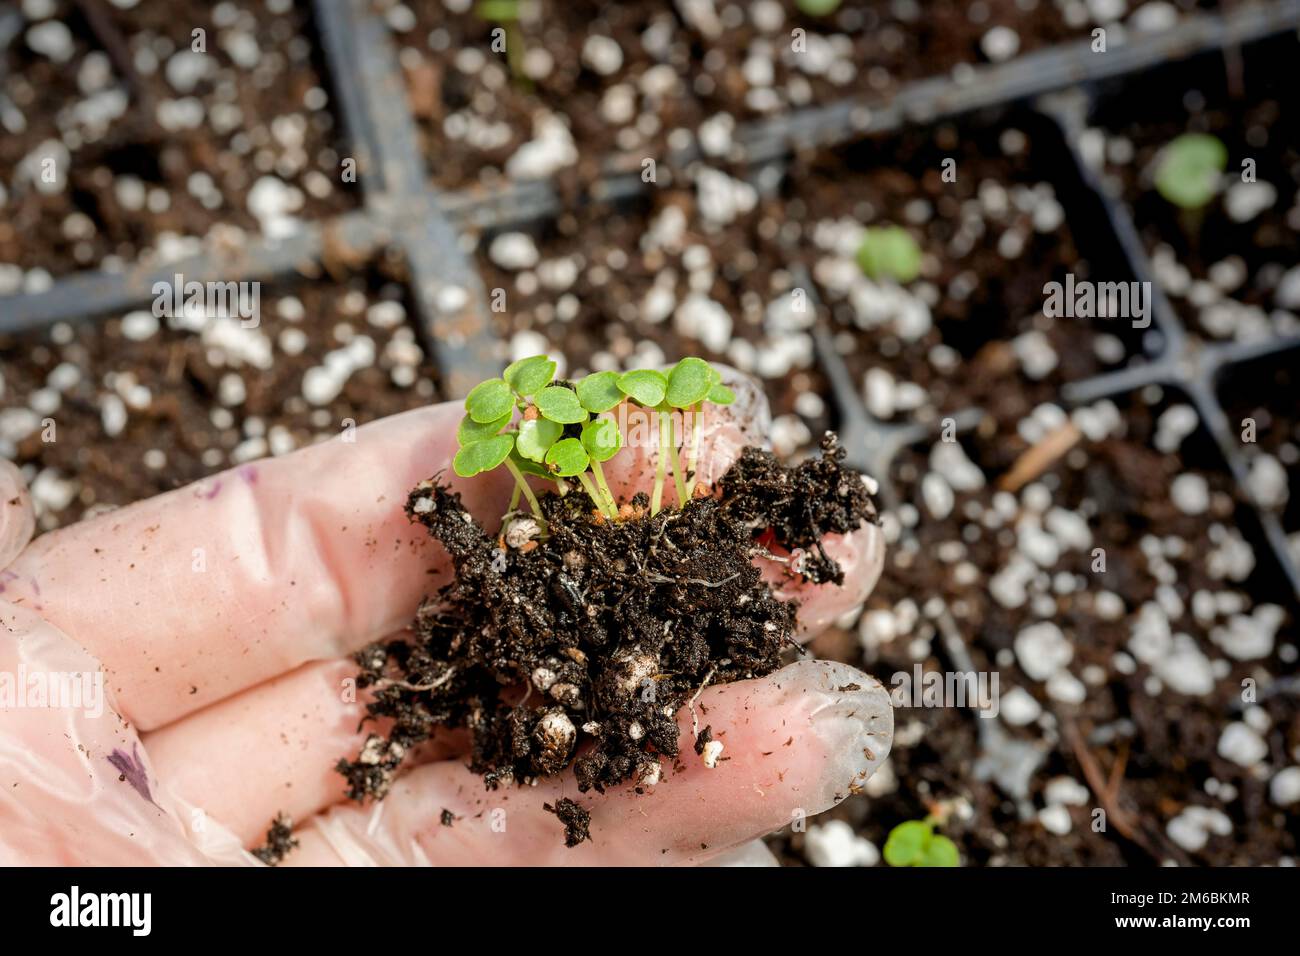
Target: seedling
(557, 435)
(915, 843)
(572, 638)
(1189, 170)
(889, 252)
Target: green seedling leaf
(488, 401)
(529, 467)
(530, 375)
(1189, 169)
(645, 386)
(889, 252)
(601, 438)
(940, 852)
(689, 382)
(560, 404)
(471, 431)
(907, 843)
(536, 437)
(480, 456)
(818, 8)
(567, 458)
(721, 395)
(498, 11)
(599, 392)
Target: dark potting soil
(1222, 266)
(1265, 392)
(279, 842)
(973, 329)
(1164, 641)
(672, 67)
(143, 405)
(579, 648)
(575, 817)
(155, 145)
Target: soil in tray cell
(1137, 671)
(121, 140)
(997, 213)
(1231, 267)
(136, 405)
(528, 89)
(1263, 410)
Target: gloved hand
(218, 620)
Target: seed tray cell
(152, 146)
(143, 404)
(1158, 630)
(1230, 268)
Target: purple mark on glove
(249, 474)
(212, 492)
(5, 577)
(132, 768)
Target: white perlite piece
(1190, 494)
(1284, 788)
(1242, 745)
(1245, 201)
(938, 496)
(1019, 708)
(1042, 650)
(513, 251)
(522, 530)
(1066, 791)
(707, 321)
(1250, 637)
(722, 198)
(602, 54)
(1267, 482)
(835, 844)
(52, 40)
(1000, 44)
(550, 150)
(1056, 819)
(712, 751)
(1192, 828)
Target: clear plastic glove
(217, 622)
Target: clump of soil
(579, 647)
(279, 842)
(576, 820)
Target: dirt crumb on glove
(576, 820)
(279, 841)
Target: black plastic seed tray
(403, 211)
(402, 208)
(1175, 357)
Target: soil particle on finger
(279, 842)
(703, 738)
(580, 652)
(576, 820)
